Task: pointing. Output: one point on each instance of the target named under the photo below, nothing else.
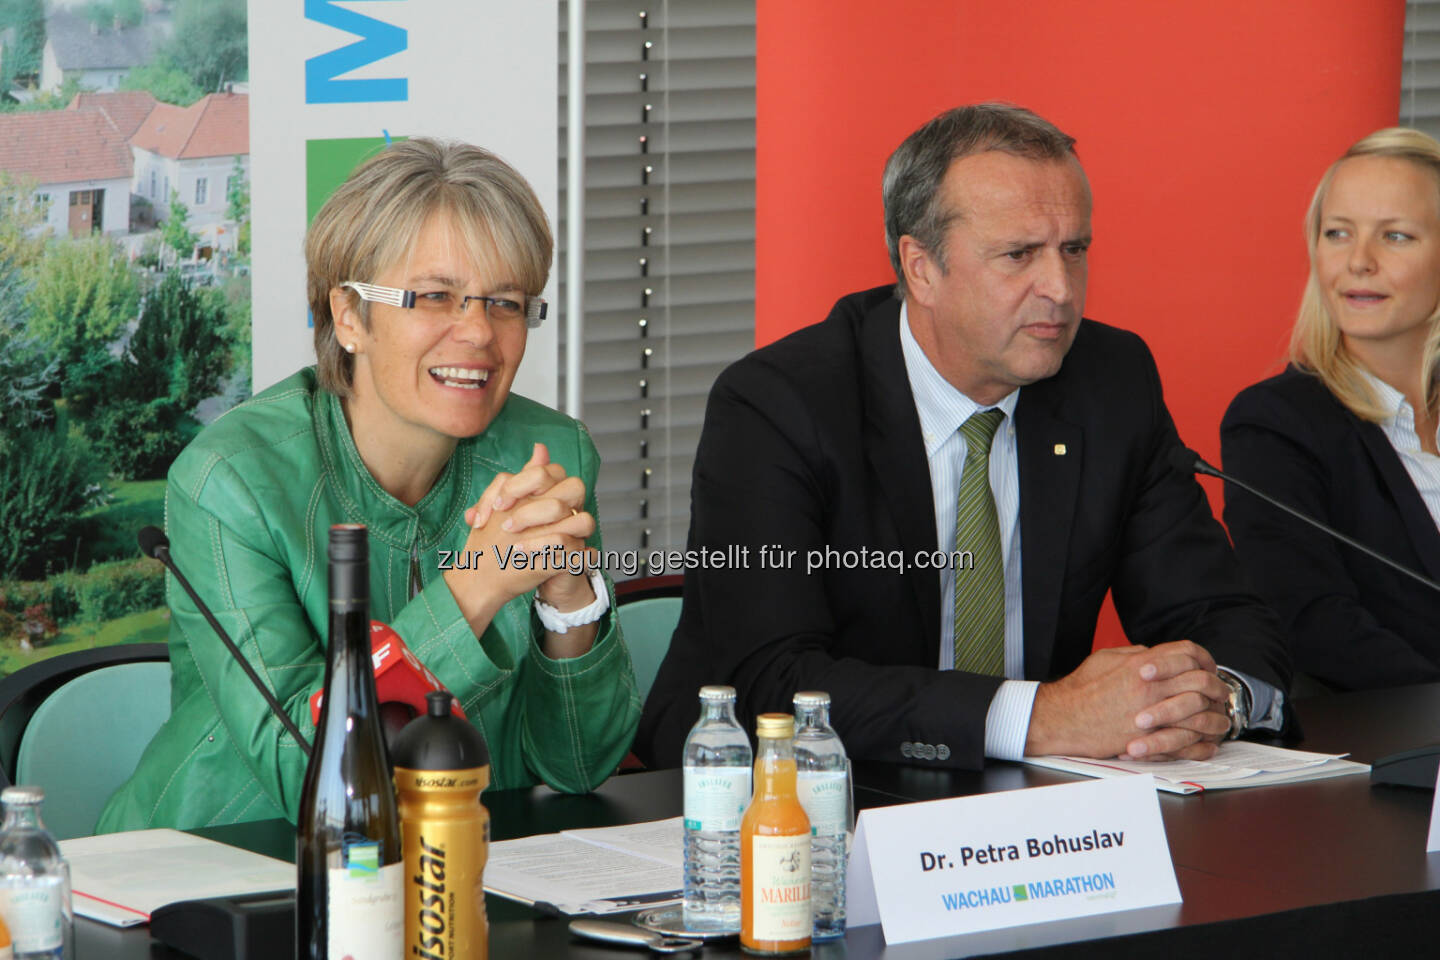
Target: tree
(176, 230)
(211, 42)
(22, 55)
(239, 208)
(165, 83)
(21, 241)
(83, 297)
(25, 372)
(177, 357)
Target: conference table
(1316, 869)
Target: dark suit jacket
(1351, 621)
(813, 442)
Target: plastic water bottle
(718, 768)
(823, 775)
(34, 881)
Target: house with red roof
(79, 162)
(193, 151)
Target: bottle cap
(349, 543)
(717, 691)
(22, 795)
(775, 726)
(812, 698)
(439, 740)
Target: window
(669, 248)
(152, 184)
(167, 188)
(202, 190)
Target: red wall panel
(1203, 128)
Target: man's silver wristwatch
(1237, 705)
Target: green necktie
(979, 586)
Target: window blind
(1420, 70)
(669, 244)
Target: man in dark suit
(937, 490)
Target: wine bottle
(349, 901)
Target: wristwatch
(555, 621)
(1237, 705)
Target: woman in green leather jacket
(424, 274)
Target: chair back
(648, 624)
(85, 738)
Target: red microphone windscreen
(400, 677)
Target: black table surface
(1325, 868)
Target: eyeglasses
(442, 302)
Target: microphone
(154, 543)
(1187, 461)
(401, 680)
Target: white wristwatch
(557, 622)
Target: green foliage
(210, 43)
(25, 372)
(110, 590)
(176, 357)
(20, 242)
(104, 592)
(21, 57)
(239, 208)
(47, 479)
(176, 230)
(239, 194)
(84, 294)
(164, 82)
(149, 253)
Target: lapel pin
(1059, 449)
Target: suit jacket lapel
(1050, 451)
(1418, 523)
(896, 451)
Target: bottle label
(780, 887)
(825, 795)
(716, 797)
(34, 914)
(366, 906)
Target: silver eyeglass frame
(535, 307)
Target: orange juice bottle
(775, 849)
(6, 951)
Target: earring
(349, 348)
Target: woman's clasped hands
(528, 532)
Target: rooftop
(61, 146)
(216, 125)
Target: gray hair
(915, 171)
(375, 216)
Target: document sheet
(121, 878)
(595, 871)
(1237, 763)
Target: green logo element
(362, 860)
(1020, 893)
(329, 162)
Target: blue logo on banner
(378, 40)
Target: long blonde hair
(1315, 343)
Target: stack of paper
(121, 878)
(1236, 763)
(602, 870)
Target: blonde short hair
(1315, 343)
(375, 216)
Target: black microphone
(154, 543)
(1187, 461)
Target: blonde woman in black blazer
(1348, 432)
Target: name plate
(947, 867)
